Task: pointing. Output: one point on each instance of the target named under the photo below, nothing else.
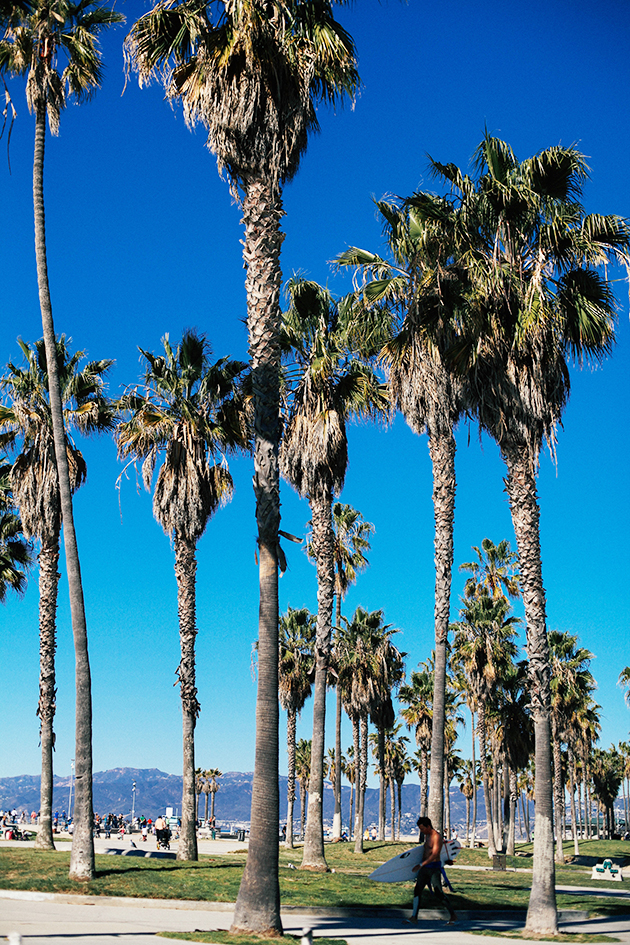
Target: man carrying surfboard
(430, 871)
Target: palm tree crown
(186, 413)
(251, 74)
(26, 419)
(42, 34)
(329, 381)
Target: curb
(334, 912)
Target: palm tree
(40, 35)
(452, 721)
(200, 784)
(15, 550)
(401, 767)
(483, 645)
(253, 77)
(494, 570)
(515, 736)
(328, 383)
(212, 776)
(468, 789)
(624, 683)
(351, 542)
(571, 687)
(350, 771)
(303, 773)
(26, 424)
(295, 676)
(424, 287)
(368, 666)
(537, 298)
(185, 412)
(418, 697)
(607, 774)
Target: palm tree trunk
(382, 796)
(558, 791)
(364, 769)
(447, 799)
(481, 731)
(576, 846)
(424, 780)
(358, 826)
(82, 855)
(474, 780)
(400, 784)
(511, 838)
(350, 819)
(542, 914)
(392, 806)
(205, 813)
(258, 902)
(442, 450)
(496, 798)
(323, 552)
(337, 817)
(467, 819)
(291, 726)
(48, 581)
(185, 570)
(302, 807)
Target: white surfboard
(400, 868)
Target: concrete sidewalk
(51, 919)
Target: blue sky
(143, 239)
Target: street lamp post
(70, 795)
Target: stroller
(163, 838)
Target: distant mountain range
(156, 790)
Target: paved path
(49, 919)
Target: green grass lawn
(217, 879)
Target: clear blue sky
(143, 239)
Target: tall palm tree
(607, 774)
(295, 676)
(212, 776)
(401, 767)
(422, 289)
(26, 425)
(468, 788)
(185, 414)
(39, 37)
(494, 570)
(350, 771)
(515, 736)
(571, 686)
(418, 715)
(200, 784)
(253, 75)
(484, 646)
(15, 550)
(537, 299)
(351, 541)
(303, 773)
(368, 666)
(328, 382)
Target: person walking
(430, 871)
